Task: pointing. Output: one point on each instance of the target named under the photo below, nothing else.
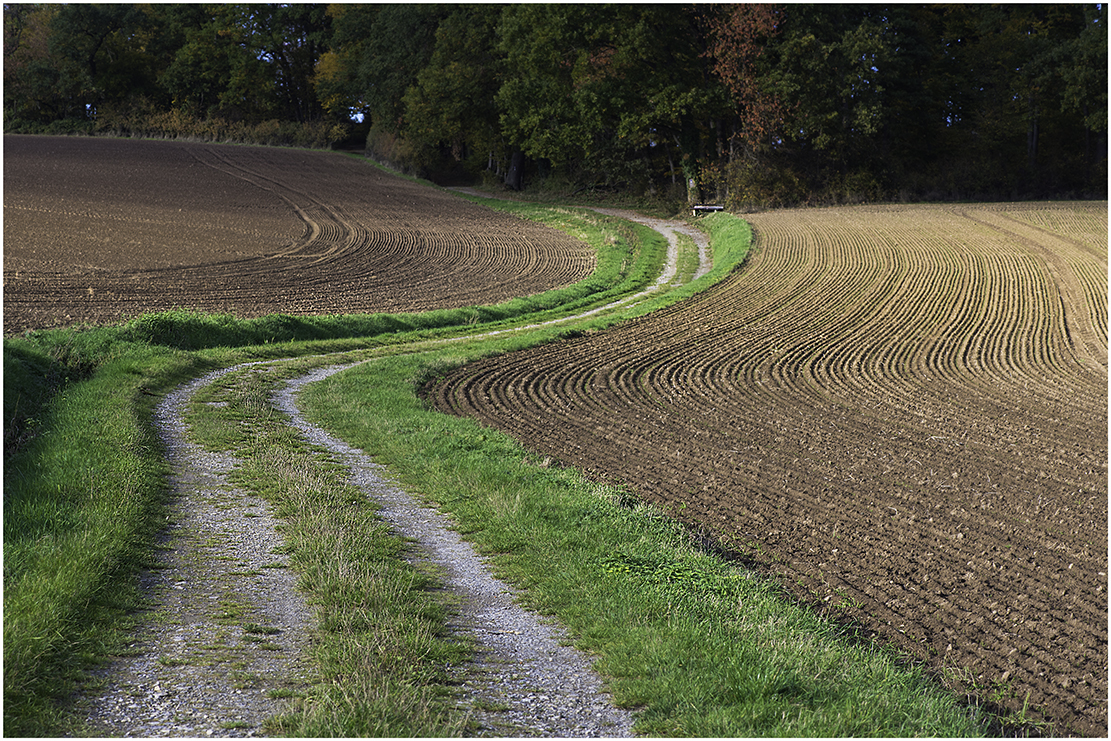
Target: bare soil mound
(900, 412)
(99, 230)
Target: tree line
(750, 105)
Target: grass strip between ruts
(379, 648)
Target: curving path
(197, 672)
(522, 661)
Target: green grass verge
(83, 496)
(702, 647)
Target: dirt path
(229, 626)
(225, 636)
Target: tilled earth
(100, 230)
(900, 412)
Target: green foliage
(40, 367)
(752, 187)
(450, 109)
(799, 103)
(584, 89)
(378, 51)
(1082, 69)
(830, 65)
(92, 46)
(178, 123)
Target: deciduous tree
(451, 105)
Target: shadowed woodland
(748, 105)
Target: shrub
(754, 185)
(142, 120)
(393, 151)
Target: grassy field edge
(84, 476)
(700, 646)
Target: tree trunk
(514, 177)
(1032, 141)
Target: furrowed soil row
(885, 411)
(98, 230)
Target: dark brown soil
(99, 230)
(900, 413)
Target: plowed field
(98, 230)
(899, 412)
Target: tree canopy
(751, 104)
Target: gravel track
(196, 671)
(522, 660)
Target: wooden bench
(695, 210)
